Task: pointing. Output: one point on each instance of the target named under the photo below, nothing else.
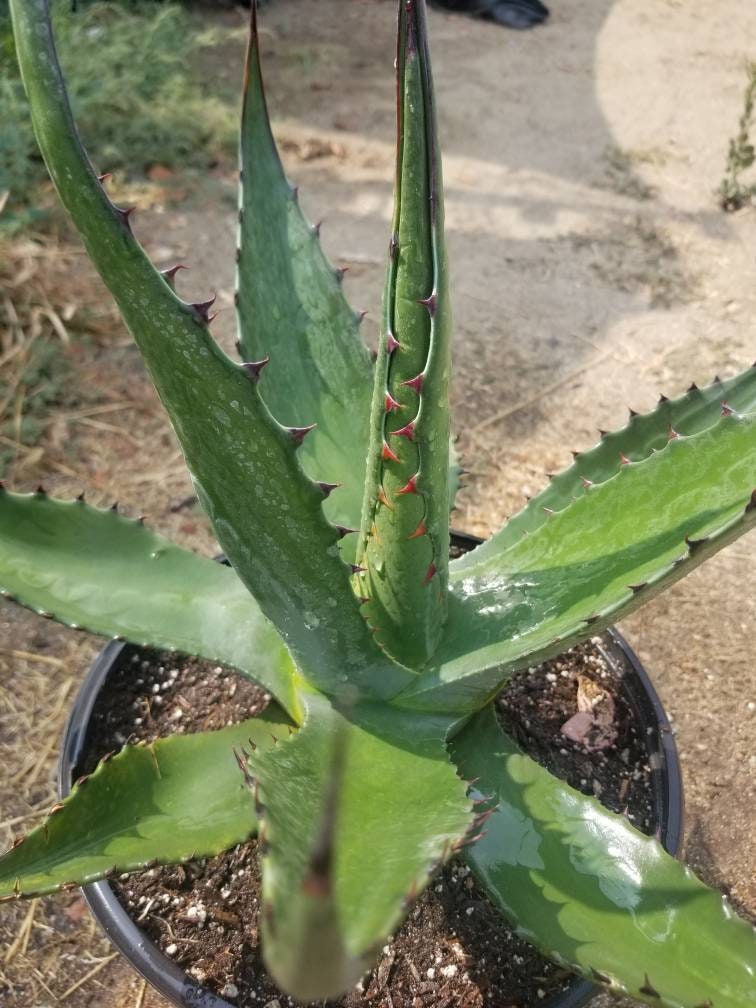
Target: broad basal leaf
(359, 806)
(645, 433)
(594, 893)
(168, 801)
(98, 571)
(616, 546)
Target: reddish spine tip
(81, 498)
(327, 488)
(727, 410)
(388, 455)
(254, 368)
(383, 498)
(624, 460)
(124, 215)
(392, 343)
(586, 482)
(361, 316)
(416, 383)
(202, 308)
(316, 228)
(105, 177)
(357, 569)
(407, 431)
(170, 274)
(344, 531)
(340, 272)
(672, 433)
(411, 37)
(430, 573)
(431, 303)
(391, 403)
(421, 530)
(362, 599)
(298, 434)
(410, 486)
(693, 387)
(663, 398)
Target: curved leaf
(291, 307)
(266, 513)
(98, 571)
(698, 409)
(594, 893)
(336, 879)
(172, 800)
(605, 554)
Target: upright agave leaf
(358, 808)
(266, 513)
(291, 308)
(404, 538)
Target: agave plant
(327, 479)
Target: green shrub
(136, 102)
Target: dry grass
(40, 941)
(98, 431)
(47, 312)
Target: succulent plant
(381, 655)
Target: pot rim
(184, 992)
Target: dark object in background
(509, 13)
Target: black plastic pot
(181, 990)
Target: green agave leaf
(172, 800)
(336, 881)
(594, 893)
(266, 513)
(404, 537)
(698, 409)
(291, 308)
(605, 554)
(98, 571)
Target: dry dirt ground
(592, 271)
